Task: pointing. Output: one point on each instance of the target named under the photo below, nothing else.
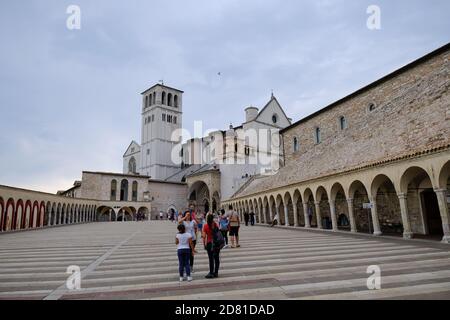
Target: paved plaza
(137, 260)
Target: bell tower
(161, 115)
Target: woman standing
(191, 228)
(213, 253)
(183, 240)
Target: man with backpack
(224, 225)
(235, 223)
(213, 242)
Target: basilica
(376, 161)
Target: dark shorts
(234, 231)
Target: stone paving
(137, 260)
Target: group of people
(249, 217)
(214, 229)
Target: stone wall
(412, 112)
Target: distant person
(252, 218)
(234, 227)
(275, 220)
(213, 249)
(224, 225)
(161, 215)
(183, 240)
(246, 218)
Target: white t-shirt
(183, 240)
(190, 228)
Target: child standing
(185, 248)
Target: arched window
(163, 98)
(175, 101)
(146, 101)
(132, 165)
(154, 97)
(318, 136)
(343, 123)
(371, 107)
(169, 99)
(113, 190)
(295, 144)
(134, 191)
(124, 190)
(274, 118)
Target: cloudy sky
(69, 99)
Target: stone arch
(289, 204)
(338, 199)
(308, 197)
(9, 214)
(272, 207)
(143, 214)
(265, 201)
(358, 196)
(163, 97)
(298, 204)
(280, 208)
(63, 213)
(169, 99)
(384, 197)
(175, 101)
(262, 218)
(41, 214)
(323, 208)
(419, 204)
(27, 214)
(19, 214)
(2, 208)
(48, 212)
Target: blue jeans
(184, 256)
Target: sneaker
(238, 246)
(189, 279)
(209, 276)
(226, 246)
(181, 279)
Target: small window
(163, 117)
(343, 123)
(371, 107)
(153, 117)
(146, 101)
(274, 118)
(163, 98)
(148, 151)
(247, 151)
(295, 144)
(175, 120)
(318, 136)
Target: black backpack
(218, 240)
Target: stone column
(294, 206)
(286, 215)
(270, 213)
(264, 214)
(333, 215)
(318, 216)
(443, 209)
(402, 198)
(109, 215)
(62, 218)
(351, 215)
(259, 213)
(305, 213)
(375, 220)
